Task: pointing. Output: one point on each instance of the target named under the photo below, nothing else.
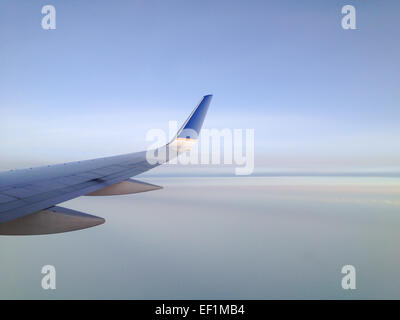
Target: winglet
(188, 134)
(193, 124)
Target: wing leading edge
(28, 197)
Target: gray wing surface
(29, 190)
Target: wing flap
(53, 220)
(129, 186)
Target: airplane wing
(28, 197)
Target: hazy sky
(317, 95)
(319, 98)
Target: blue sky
(318, 96)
